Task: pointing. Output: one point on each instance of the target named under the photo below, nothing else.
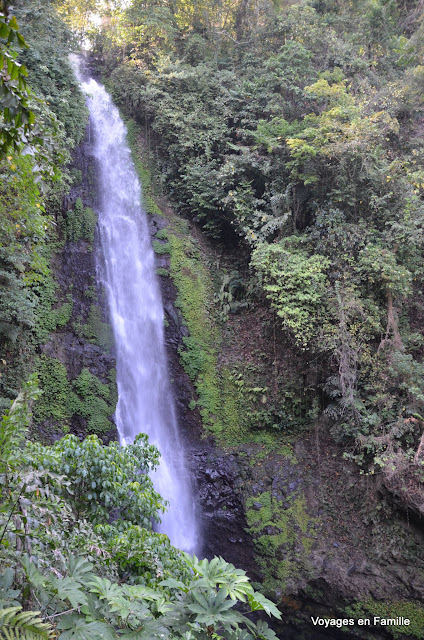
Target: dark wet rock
(74, 269)
(156, 223)
(173, 315)
(161, 261)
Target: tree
(17, 118)
(78, 15)
(295, 283)
(379, 266)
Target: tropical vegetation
(291, 133)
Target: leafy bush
(135, 583)
(296, 284)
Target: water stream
(127, 270)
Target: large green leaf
(151, 631)
(7, 594)
(258, 602)
(74, 627)
(33, 575)
(105, 589)
(265, 633)
(140, 592)
(211, 608)
(218, 572)
(79, 569)
(68, 589)
(236, 585)
(174, 584)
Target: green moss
(88, 384)
(49, 315)
(392, 609)
(233, 409)
(257, 519)
(160, 271)
(91, 292)
(141, 168)
(199, 356)
(53, 404)
(281, 536)
(86, 396)
(218, 398)
(113, 389)
(161, 247)
(95, 330)
(89, 400)
(300, 515)
(162, 234)
(80, 223)
(63, 314)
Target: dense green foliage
(80, 223)
(16, 117)
(293, 132)
(33, 179)
(85, 396)
(91, 575)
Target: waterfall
(127, 270)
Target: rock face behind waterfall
(342, 565)
(78, 346)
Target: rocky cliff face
(84, 344)
(323, 539)
(215, 473)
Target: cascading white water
(128, 272)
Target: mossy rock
(405, 609)
(86, 396)
(161, 247)
(80, 223)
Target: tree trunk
(392, 326)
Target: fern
(16, 624)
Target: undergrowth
(86, 396)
